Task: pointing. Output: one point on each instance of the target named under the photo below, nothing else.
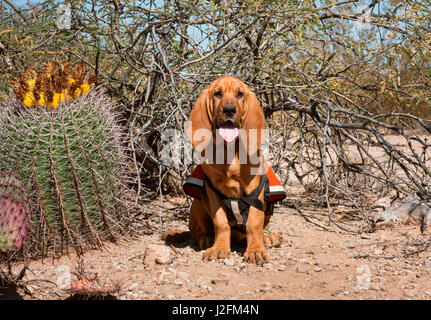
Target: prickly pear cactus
(71, 156)
(12, 186)
(14, 223)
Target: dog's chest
(233, 172)
(226, 178)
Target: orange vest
(195, 184)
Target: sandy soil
(312, 263)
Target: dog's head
(229, 109)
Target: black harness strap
(238, 208)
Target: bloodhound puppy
(226, 127)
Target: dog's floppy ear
(199, 130)
(252, 131)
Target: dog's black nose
(229, 109)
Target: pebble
(157, 254)
(282, 267)
(409, 286)
(183, 275)
(409, 293)
(349, 246)
(360, 255)
(378, 251)
(133, 286)
(220, 281)
(375, 286)
(229, 261)
(301, 270)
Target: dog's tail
(176, 236)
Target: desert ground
(315, 261)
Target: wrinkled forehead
(228, 84)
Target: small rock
(133, 286)
(157, 254)
(229, 261)
(375, 286)
(378, 251)
(182, 260)
(301, 270)
(282, 267)
(349, 246)
(409, 286)
(220, 281)
(317, 269)
(183, 275)
(409, 293)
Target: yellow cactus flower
(57, 99)
(62, 97)
(31, 83)
(29, 100)
(67, 96)
(77, 92)
(41, 101)
(85, 88)
(62, 83)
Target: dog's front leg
(255, 251)
(221, 246)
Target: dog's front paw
(215, 253)
(256, 256)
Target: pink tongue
(228, 133)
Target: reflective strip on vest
(195, 183)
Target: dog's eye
(240, 94)
(217, 94)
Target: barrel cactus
(70, 151)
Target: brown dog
(229, 109)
